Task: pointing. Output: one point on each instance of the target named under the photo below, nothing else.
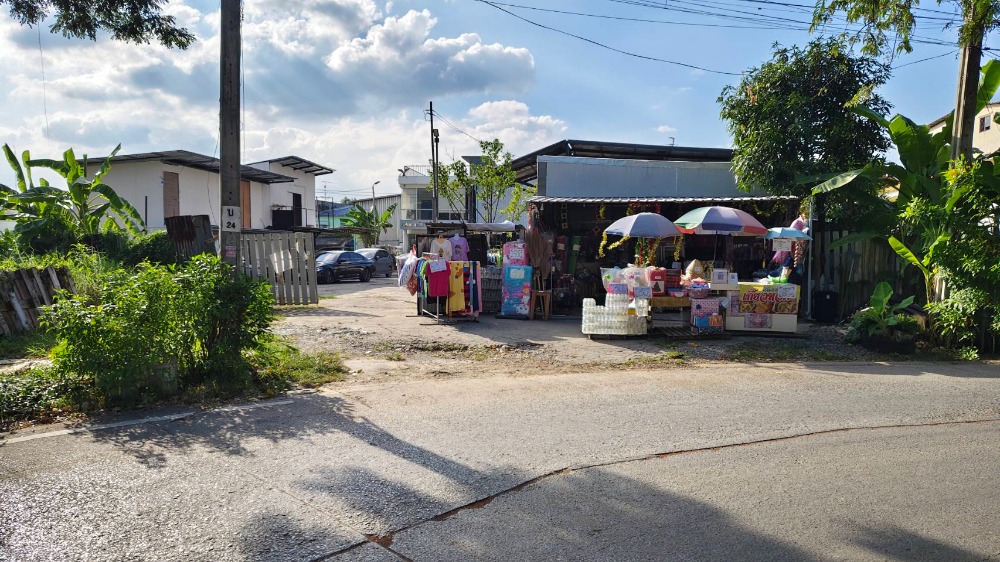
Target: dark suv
(334, 266)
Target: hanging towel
(456, 287)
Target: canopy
(720, 220)
(643, 225)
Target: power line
(446, 122)
(602, 45)
(924, 59)
(639, 20)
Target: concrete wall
(280, 194)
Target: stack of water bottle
(615, 317)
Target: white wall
(199, 192)
(281, 193)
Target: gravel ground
(375, 327)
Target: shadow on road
(895, 543)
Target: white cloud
(666, 129)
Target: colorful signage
(780, 298)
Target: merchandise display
(617, 316)
(759, 307)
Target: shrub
(36, 391)
(155, 247)
(146, 332)
(953, 320)
(128, 341)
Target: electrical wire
(602, 45)
(456, 129)
(924, 59)
(638, 20)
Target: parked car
(385, 263)
(334, 266)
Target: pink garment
(798, 224)
(459, 248)
(437, 283)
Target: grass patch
(327, 297)
(662, 358)
(280, 365)
(779, 352)
(28, 345)
(395, 356)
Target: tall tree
(886, 29)
(491, 180)
(790, 118)
(133, 21)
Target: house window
(984, 122)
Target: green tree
(371, 220)
(886, 27)
(133, 21)
(932, 211)
(492, 180)
(790, 118)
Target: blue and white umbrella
(643, 225)
(786, 232)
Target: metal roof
(301, 164)
(626, 200)
(201, 162)
(526, 166)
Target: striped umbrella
(720, 220)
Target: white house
(985, 132)
(273, 193)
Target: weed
(663, 358)
(395, 356)
(280, 365)
(39, 392)
(33, 345)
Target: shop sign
(412, 224)
(782, 245)
(782, 298)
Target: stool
(543, 298)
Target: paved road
(783, 463)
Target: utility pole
(373, 191)
(229, 133)
(434, 163)
(964, 120)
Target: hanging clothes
(459, 248)
(456, 286)
(437, 279)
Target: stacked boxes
(614, 317)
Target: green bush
(155, 247)
(147, 332)
(953, 320)
(34, 392)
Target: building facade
(985, 132)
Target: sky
(346, 83)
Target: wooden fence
(853, 270)
(285, 260)
(24, 291)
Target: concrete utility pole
(964, 121)
(434, 163)
(231, 223)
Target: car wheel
(323, 278)
(366, 275)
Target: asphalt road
(849, 461)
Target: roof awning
(627, 200)
(302, 165)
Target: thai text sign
(780, 298)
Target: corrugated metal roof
(201, 162)
(626, 200)
(301, 164)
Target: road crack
(385, 540)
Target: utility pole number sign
(231, 220)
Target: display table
(755, 307)
(680, 303)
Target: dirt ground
(375, 326)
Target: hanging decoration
(678, 247)
(604, 241)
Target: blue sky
(346, 82)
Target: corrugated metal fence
(285, 260)
(24, 291)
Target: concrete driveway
(840, 461)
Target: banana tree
(920, 181)
(372, 221)
(89, 202)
